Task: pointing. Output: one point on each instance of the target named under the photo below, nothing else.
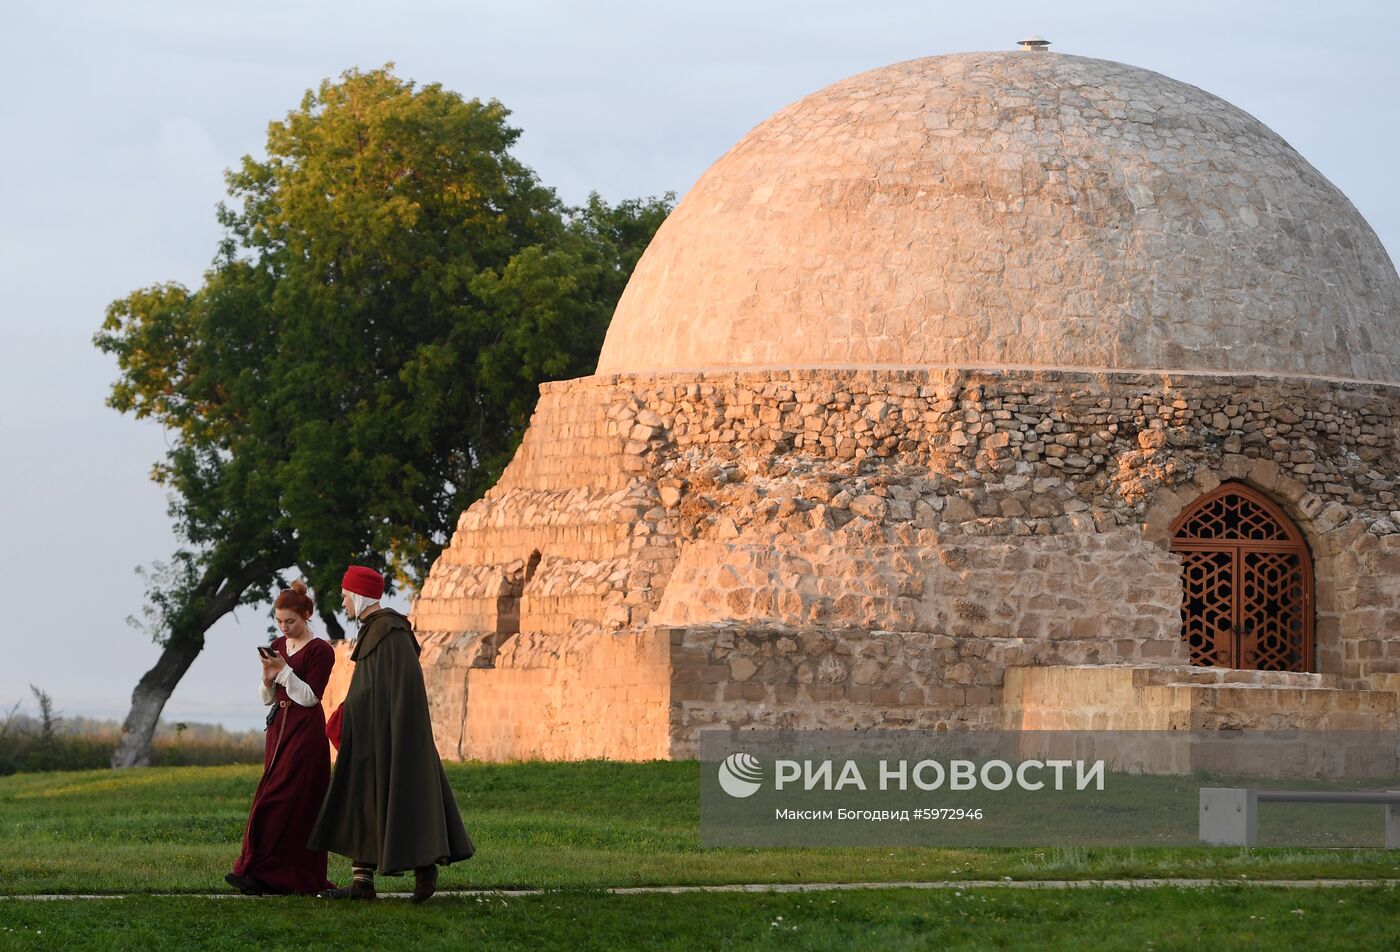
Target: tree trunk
(213, 597)
(334, 631)
(149, 697)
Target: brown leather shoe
(424, 883)
(356, 890)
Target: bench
(1230, 815)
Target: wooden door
(1247, 583)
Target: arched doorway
(1247, 581)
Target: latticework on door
(1246, 583)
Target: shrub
(51, 742)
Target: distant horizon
(70, 723)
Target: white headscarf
(361, 602)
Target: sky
(122, 117)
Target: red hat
(363, 581)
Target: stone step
(1183, 674)
(1271, 707)
(1278, 697)
(1181, 698)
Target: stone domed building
(984, 390)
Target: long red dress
(296, 772)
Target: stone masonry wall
(1072, 598)
(972, 505)
(569, 697)
(572, 697)
(817, 678)
(841, 680)
(619, 474)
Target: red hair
(296, 600)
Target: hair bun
(295, 599)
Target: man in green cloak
(389, 807)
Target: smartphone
(266, 651)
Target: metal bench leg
(1229, 816)
(1392, 825)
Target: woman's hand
(271, 666)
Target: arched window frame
(1241, 550)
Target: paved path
(819, 887)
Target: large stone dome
(1013, 210)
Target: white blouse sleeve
(297, 689)
(268, 697)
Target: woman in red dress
(296, 762)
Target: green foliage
(364, 353)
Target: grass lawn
(581, 826)
(586, 824)
(1234, 918)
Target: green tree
(363, 355)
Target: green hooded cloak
(389, 802)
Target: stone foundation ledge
(1164, 698)
(935, 376)
(1192, 674)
